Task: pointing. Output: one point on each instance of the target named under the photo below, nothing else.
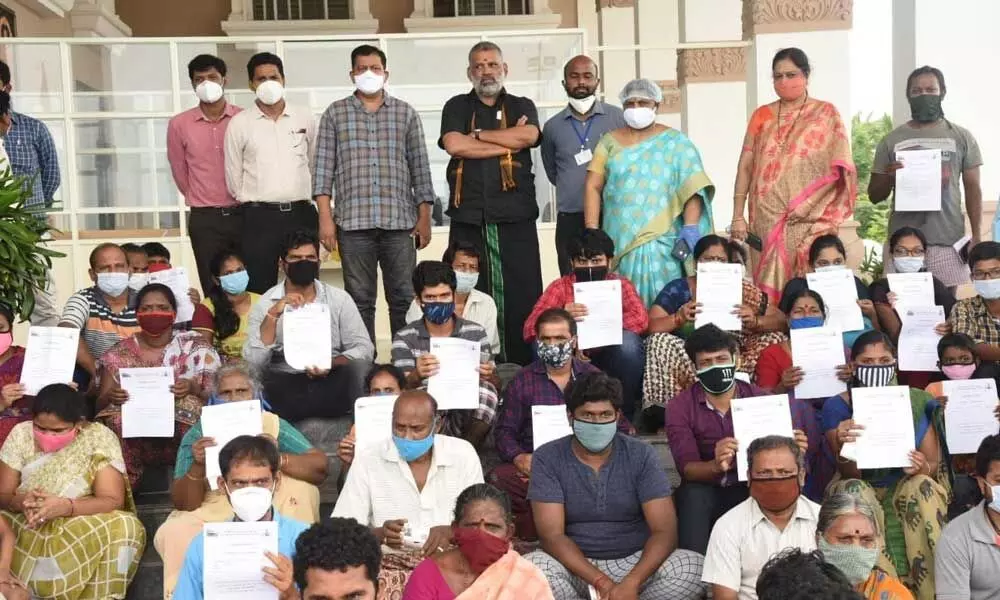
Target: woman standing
(647, 184)
(228, 304)
(795, 172)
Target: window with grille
(480, 8)
(295, 10)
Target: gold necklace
(782, 142)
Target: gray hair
(644, 89)
(775, 442)
(237, 368)
(840, 504)
(485, 46)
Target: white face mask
(369, 83)
(112, 284)
(251, 503)
(639, 117)
(465, 281)
(270, 92)
(995, 503)
(208, 92)
(137, 281)
(582, 105)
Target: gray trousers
(678, 578)
(362, 252)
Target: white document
(720, 292)
(223, 422)
(888, 436)
(603, 324)
(968, 416)
(917, 340)
(235, 558)
(818, 351)
(372, 420)
(918, 183)
(840, 294)
(755, 418)
(49, 358)
(149, 411)
(912, 289)
(456, 384)
(549, 423)
(306, 338)
(177, 280)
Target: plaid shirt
(971, 317)
(560, 293)
(33, 155)
(373, 165)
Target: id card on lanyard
(585, 155)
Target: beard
(580, 92)
(488, 87)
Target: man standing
(268, 152)
(195, 149)
(31, 151)
(371, 152)
(489, 135)
(568, 142)
(960, 162)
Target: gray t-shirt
(959, 151)
(967, 558)
(603, 511)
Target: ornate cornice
(783, 16)
(602, 4)
(671, 96)
(705, 65)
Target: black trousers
(568, 226)
(296, 396)
(213, 230)
(265, 228)
(699, 506)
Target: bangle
(72, 507)
(283, 462)
(188, 475)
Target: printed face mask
(717, 379)
(926, 108)
(438, 312)
(874, 375)
(555, 355)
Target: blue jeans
(627, 364)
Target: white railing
(295, 10)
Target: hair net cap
(643, 89)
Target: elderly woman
(302, 467)
(483, 565)
(847, 534)
(63, 489)
(157, 344)
(646, 184)
(15, 406)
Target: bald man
(568, 142)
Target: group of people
(591, 514)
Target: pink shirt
(195, 151)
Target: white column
(361, 10)
(657, 25)
(617, 25)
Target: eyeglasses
(904, 252)
(991, 274)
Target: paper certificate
(603, 324)
(549, 423)
(912, 289)
(223, 422)
(372, 421)
(756, 418)
(306, 336)
(177, 280)
(887, 439)
(149, 410)
(720, 292)
(918, 183)
(917, 339)
(818, 351)
(49, 358)
(235, 558)
(456, 384)
(968, 416)
(840, 294)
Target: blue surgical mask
(466, 282)
(236, 283)
(989, 289)
(805, 322)
(994, 504)
(112, 284)
(908, 264)
(213, 400)
(438, 312)
(595, 437)
(411, 450)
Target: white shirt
(743, 540)
(268, 160)
(479, 308)
(380, 485)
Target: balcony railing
(296, 10)
(480, 8)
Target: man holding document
(977, 317)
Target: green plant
(871, 267)
(865, 136)
(23, 258)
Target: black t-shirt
(483, 198)
(942, 295)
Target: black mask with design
(926, 108)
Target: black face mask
(585, 274)
(303, 272)
(926, 108)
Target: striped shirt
(100, 328)
(414, 340)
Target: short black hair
(156, 287)
(797, 575)
(4, 103)
(710, 241)
(60, 400)
(264, 58)
(593, 387)
(156, 249)
(337, 545)
(988, 452)
(299, 238)
(429, 273)
(925, 70)
(460, 246)
(797, 56)
(737, 252)
(368, 50)
(250, 448)
(388, 368)
(822, 243)
(788, 301)
(775, 442)
(956, 340)
(570, 61)
(132, 248)
(709, 338)
(983, 251)
(554, 315)
(101, 248)
(906, 231)
(205, 62)
(871, 338)
(4, 73)
(483, 492)
(591, 243)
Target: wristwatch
(476, 132)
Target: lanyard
(583, 137)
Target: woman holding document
(157, 344)
(62, 487)
(912, 501)
(15, 407)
